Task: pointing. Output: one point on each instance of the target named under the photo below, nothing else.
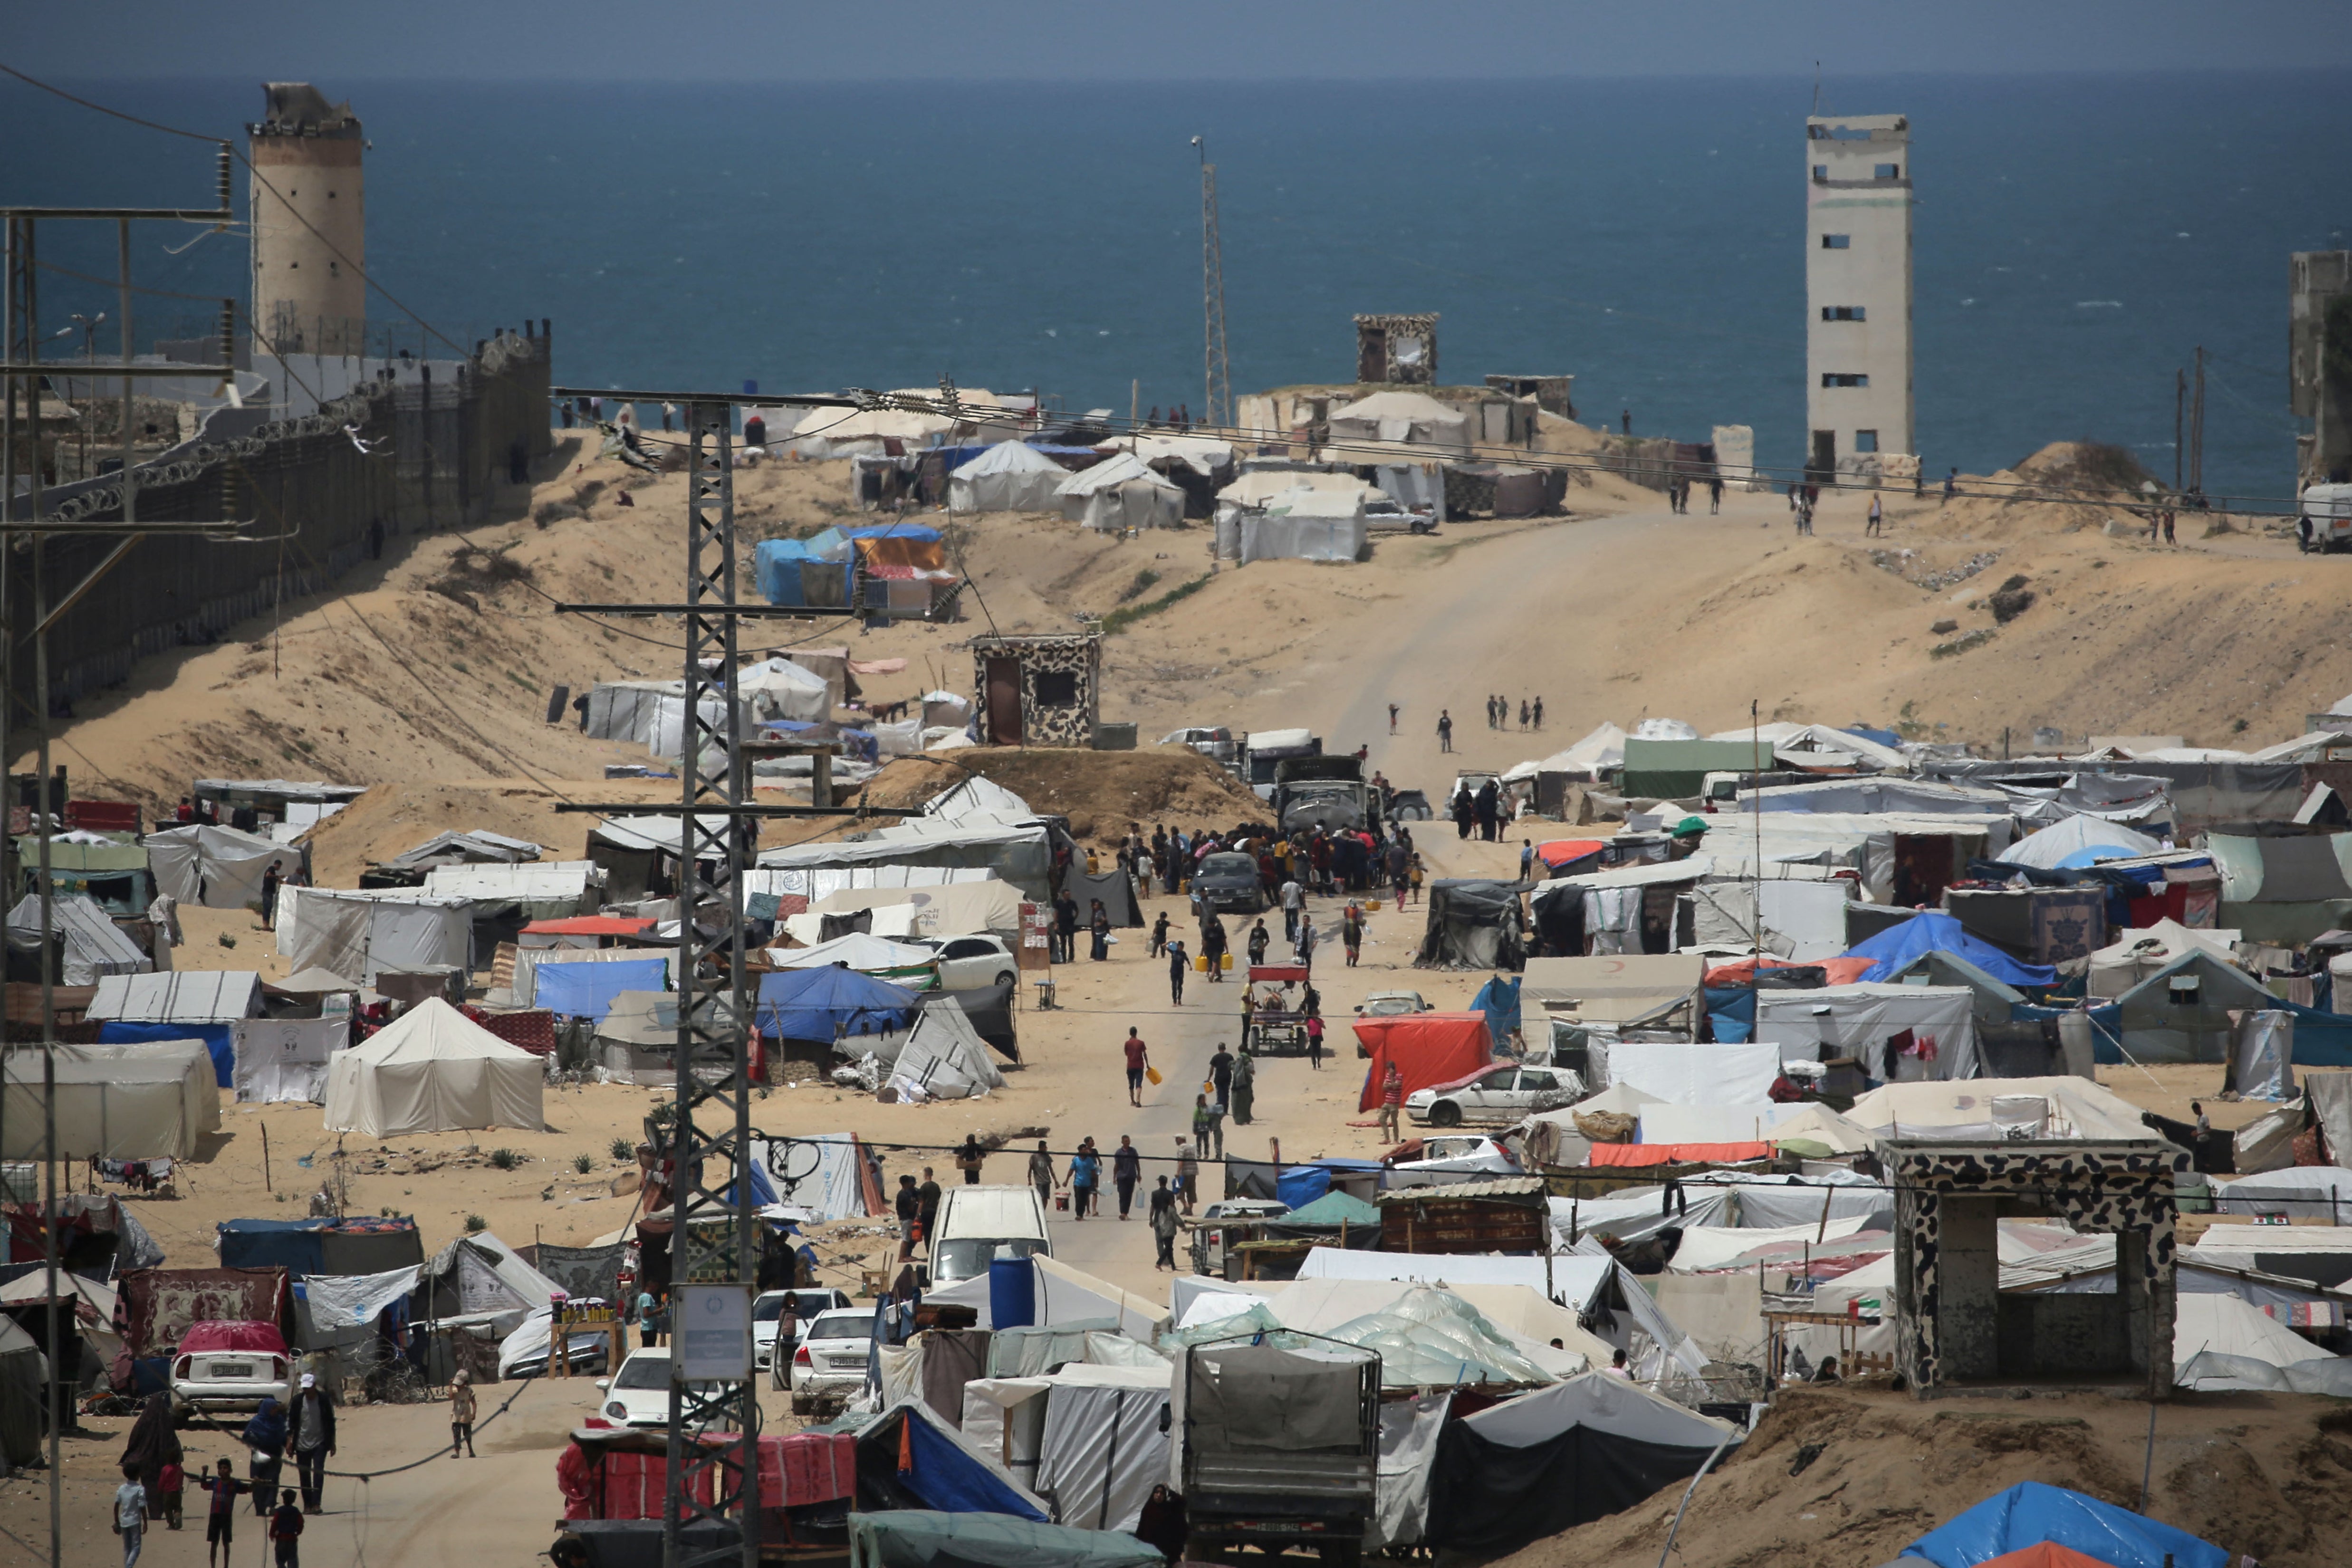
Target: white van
(980, 1225)
(2324, 519)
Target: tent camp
(89, 944)
(1306, 525)
(779, 689)
(1010, 475)
(1896, 1032)
(218, 867)
(434, 1070)
(830, 1001)
(1427, 1049)
(2140, 953)
(2181, 1013)
(1412, 419)
(943, 1057)
(1120, 492)
(148, 1101)
(194, 996)
(2079, 840)
(902, 964)
(1894, 950)
(362, 932)
(1473, 925)
(1015, 849)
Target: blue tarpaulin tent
(216, 1037)
(912, 530)
(782, 570)
(2030, 1513)
(1931, 930)
(1300, 1186)
(586, 990)
(1499, 1000)
(364, 1244)
(1731, 1013)
(824, 1004)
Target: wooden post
(265, 1161)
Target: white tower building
(1858, 295)
(310, 225)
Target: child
(1417, 875)
(172, 1482)
(461, 1414)
(131, 1514)
(286, 1530)
(220, 1515)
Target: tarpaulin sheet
(582, 1271)
(946, 1474)
(1895, 1031)
(915, 1538)
(1428, 1048)
(353, 1300)
(1677, 1153)
(217, 1039)
(2030, 1512)
(1893, 951)
(1102, 1451)
(1491, 1498)
(586, 990)
(216, 867)
(160, 1304)
(358, 934)
(1697, 1075)
(285, 1059)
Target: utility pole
(2196, 430)
(1216, 372)
(2180, 402)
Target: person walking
(151, 1446)
(1351, 930)
(461, 1415)
(1391, 1102)
(1293, 901)
(1538, 705)
(1306, 940)
(927, 1205)
(1393, 710)
(1523, 714)
(1951, 489)
(1164, 1225)
(1314, 1027)
(1444, 731)
(1098, 927)
(270, 880)
(286, 1530)
(1040, 1174)
(1125, 1173)
(310, 1435)
(1876, 528)
(1221, 1074)
(1715, 495)
(130, 1515)
(1244, 1085)
(1085, 1174)
(1213, 947)
(909, 1205)
(788, 1339)
(220, 1513)
(969, 1158)
(1208, 1126)
(1139, 1062)
(1188, 1175)
(1176, 964)
(264, 1438)
(1064, 947)
(1260, 939)
(1527, 858)
(1160, 935)
(1400, 871)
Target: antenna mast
(1217, 375)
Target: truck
(1322, 792)
(1262, 750)
(2324, 520)
(1280, 1447)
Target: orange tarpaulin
(1836, 970)
(2045, 1555)
(1429, 1048)
(1677, 1153)
(923, 554)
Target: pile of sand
(1846, 1479)
(1099, 792)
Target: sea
(2077, 238)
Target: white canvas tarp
(1698, 1075)
(2142, 951)
(1752, 1121)
(362, 932)
(546, 890)
(1120, 492)
(2299, 1192)
(779, 689)
(1993, 1109)
(188, 997)
(153, 1100)
(1803, 920)
(2077, 835)
(434, 1070)
(1604, 1403)
(960, 908)
(2227, 1326)
(217, 868)
(1306, 525)
(1010, 475)
(90, 946)
(1610, 988)
(285, 1059)
(1102, 1450)
(944, 1059)
(1896, 1032)
(354, 1301)
(1413, 419)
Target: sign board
(713, 1340)
(2270, 1219)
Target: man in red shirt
(1138, 1061)
(1391, 1101)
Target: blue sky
(1109, 40)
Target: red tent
(1429, 1049)
(1560, 853)
(2045, 1555)
(217, 1335)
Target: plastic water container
(1011, 1293)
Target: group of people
(1481, 808)
(154, 1482)
(1678, 494)
(1498, 713)
(1061, 944)
(1801, 500)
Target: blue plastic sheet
(1731, 1012)
(216, 1037)
(2030, 1513)
(1499, 1000)
(825, 1004)
(1298, 1186)
(586, 990)
(1932, 930)
(951, 1480)
(781, 568)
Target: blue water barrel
(1011, 1293)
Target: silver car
(1214, 741)
(1501, 1093)
(832, 1353)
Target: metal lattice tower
(713, 1240)
(1217, 372)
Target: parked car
(223, 1365)
(639, 1394)
(832, 1353)
(1409, 805)
(524, 1351)
(768, 1312)
(1229, 882)
(1500, 1093)
(2324, 519)
(967, 962)
(1388, 1005)
(1383, 513)
(1456, 1157)
(1212, 740)
(978, 1225)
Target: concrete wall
(1850, 196)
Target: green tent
(913, 1538)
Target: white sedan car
(1453, 1157)
(969, 962)
(832, 1353)
(639, 1395)
(1500, 1093)
(767, 1315)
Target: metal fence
(324, 493)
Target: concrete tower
(310, 225)
(1857, 294)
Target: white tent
(975, 796)
(1904, 1032)
(1414, 418)
(779, 689)
(2302, 1191)
(2054, 845)
(1103, 1447)
(362, 931)
(2141, 951)
(1710, 1075)
(944, 1059)
(957, 909)
(1306, 525)
(90, 946)
(900, 962)
(2206, 1321)
(153, 1101)
(218, 867)
(1012, 476)
(1120, 492)
(191, 996)
(286, 1059)
(434, 1070)
(1603, 749)
(1990, 1109)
